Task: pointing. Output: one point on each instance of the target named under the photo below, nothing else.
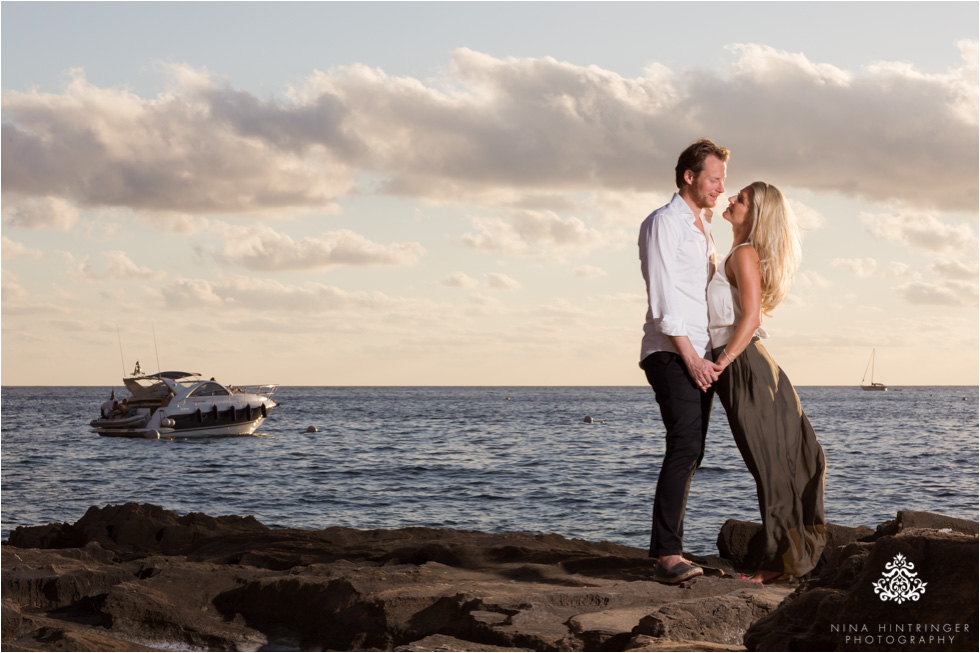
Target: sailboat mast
(153, 326)
(122, 359)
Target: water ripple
(491, 459)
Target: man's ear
(689, 176)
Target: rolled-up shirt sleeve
(659, 248)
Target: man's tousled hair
(693, 158)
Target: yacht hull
(186, 432)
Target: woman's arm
(744, 264)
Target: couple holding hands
(701, 337)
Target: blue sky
(448, 193)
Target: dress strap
(732, 251)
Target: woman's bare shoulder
(746, 254)
(743, 263)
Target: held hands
(704, 372)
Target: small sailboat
(874, 386)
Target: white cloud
(563, 309)
(955, 270)
(175, 152)
(460, 280)
(945, 293)
(118, 267)
(16, 299)
(589, 272)
(82, 270)
(13, 249)
(862, 267)
(920, 230)
(45, 212)
(246, 294)
(485, 305)
(12, 291)
(765, 65)
(628, 210)
(262, 248)
(498, 281)
(811, 279)
(191, 293)
(886, 132)
(807, 218)
(532, 127)
(899, 269)
(492, 281)
(959, 84)
(533, 233)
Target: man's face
(709, 184)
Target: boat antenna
(122, 360)
(157, 351)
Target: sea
(493, 459)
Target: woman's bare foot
(762, 576)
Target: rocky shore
(138, 577)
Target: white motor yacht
(185, 405)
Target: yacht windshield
(208, 389)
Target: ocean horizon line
(448, 385)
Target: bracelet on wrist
(730, 359)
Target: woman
(772, 433)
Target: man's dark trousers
(685, 410)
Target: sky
(449, 193)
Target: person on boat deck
(137, 371)
(121, 410)
(109, 406)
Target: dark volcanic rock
(137, 577)
(841, 609)
(721, 619)
(138, 573)
(135, 528)
(914, 519)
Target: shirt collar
(677, 202)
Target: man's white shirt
(677, 261)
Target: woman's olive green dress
(776, 441)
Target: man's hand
(703, 371)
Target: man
(677, 260)
(109, 406)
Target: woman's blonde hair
(776, 239)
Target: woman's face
(739, 207)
